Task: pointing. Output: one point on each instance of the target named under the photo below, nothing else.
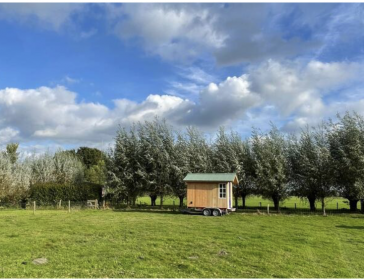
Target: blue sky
(70, 73)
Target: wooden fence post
(96, 204)
(69, 206)
(260, 204)
(337, 205)
(60, 204)
(295, 206)
(104, 204)
(34, 205)
(268, 209)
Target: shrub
(53, 192)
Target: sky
(71, 73)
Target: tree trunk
(353, 204)
(362, 205)
(134, 201)
(275, 199)
(243, 196)
(181, 198)
(161, 201)
(153, 199)
(323, 207)
(312, 203)
(236, 201)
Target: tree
(322, 164)
(231, 154)
(96, 173)
(68, 168)
(303, 169)
(43, 168)
(62, 167)
(148, 162)
(224, 157)
(311, 166)
(270, 156)
(11, 150)
(90, 156)
(245, 168)
(14, 178)
(346, 140)
(114, 178)
(180, 167)
(126, 172)
(198, 152)
(157, 144)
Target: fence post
(104, 204)
(69, 206)
(174, 205)
(268, 207)
(34, 205)
(60, 204)
(96, 204)
(295, 206)
(260, 204)
(337, 205)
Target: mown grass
(132, 244)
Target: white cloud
(175, 32)
(298, 90)
(50, 113)
(69, 80)
(191, 81)
(343, 30)
(46, 15)
(223, 102)
(240, 32)
(88, 34)
(288, 93)
(196, 75)
(54, 114)
(8, 134)
(232, 33)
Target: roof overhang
(212, 178)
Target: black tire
(206, 212)
(216, 213)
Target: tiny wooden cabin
(210, 190)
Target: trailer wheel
(206, 212)
(216, 212)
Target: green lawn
(96, 243)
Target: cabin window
(222, 190)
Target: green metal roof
(210, 177)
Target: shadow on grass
(351, 227)
(154, 211)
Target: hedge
(54, 192)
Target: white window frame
(223, 192)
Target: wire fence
(337, 205)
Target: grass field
(131, 244)
(254, 201)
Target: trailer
(207, 211)
(210, 194)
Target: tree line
(152, 158)
(323, 161)
(70, 167)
